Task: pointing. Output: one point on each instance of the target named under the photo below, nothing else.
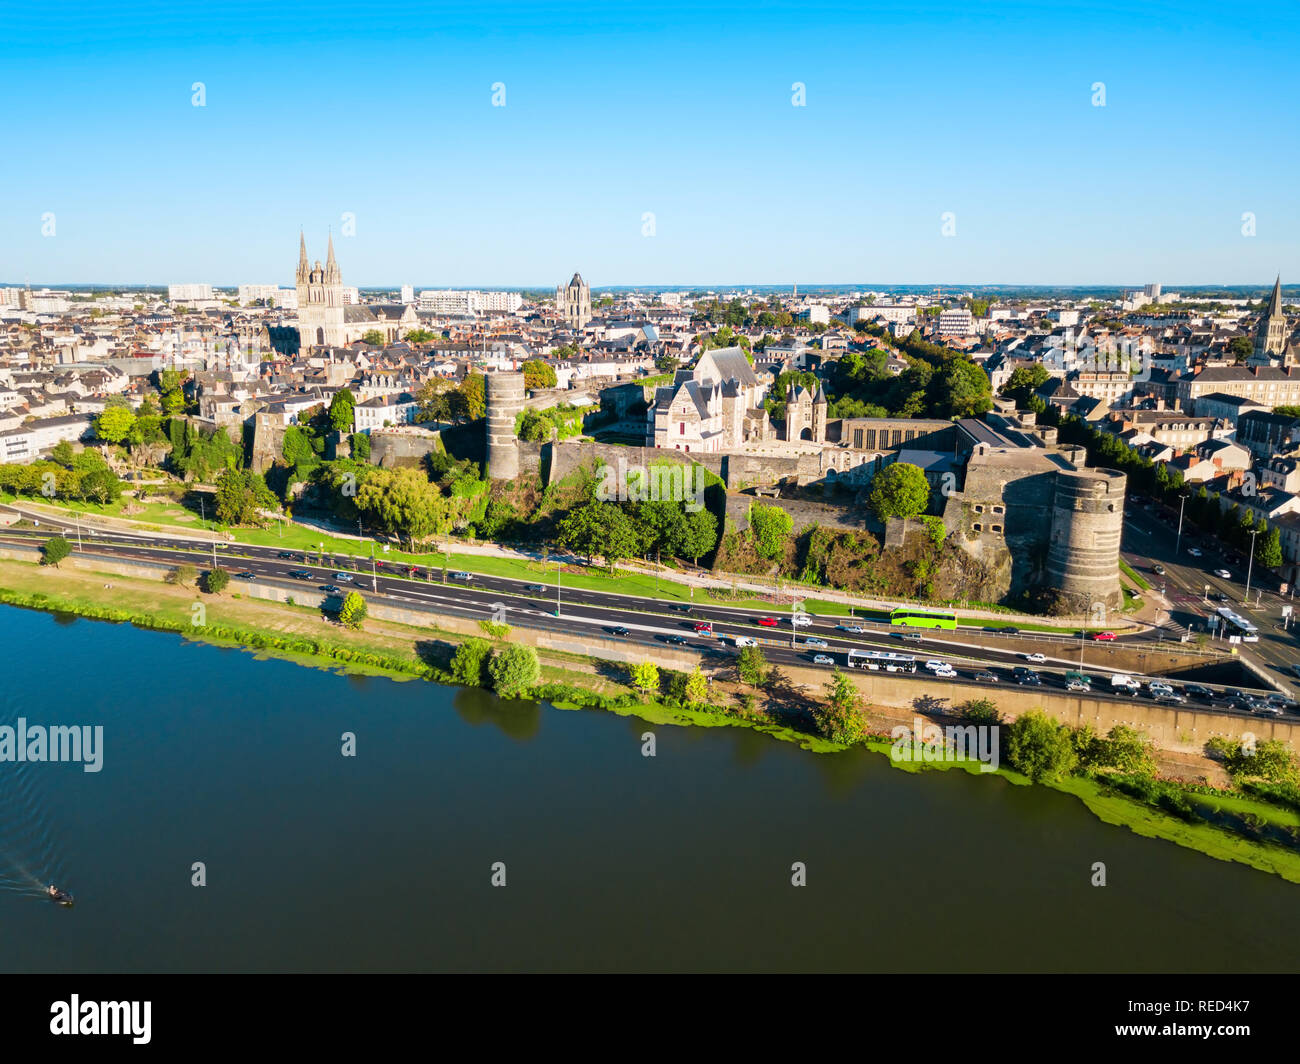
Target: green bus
(915, 618)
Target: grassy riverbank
(303, 635)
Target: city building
(573, 302)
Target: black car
(1195, 690)
(619, 631)
(675, 640)
(1218, 596)
(286, 554)
(680, 607)
(1029, 679)
(536, 588)
(300, 574)
(1009, 630)
(329, 589)
(246, 575)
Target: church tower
(1271, 332)
(573, 302)
(320, 300)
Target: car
(681, 607)
(1029, 679)
(1295, 671)
(329, 589)
(940, 668)
(1103, 637)
(704, 628)
(856, 629)
(1283, 702)
(460, 574)
(1195, 552)
(300, 574)
(914, 637)
(768, 622)
(813, 641)
(536, 588)
(1158, 569)
(1218, 596)
(676, 640)
(246, 575)
(620, 630)
(1223, 574)
(345, 577)
(1037, 659)
(823, 659)
(1195, 690)
(1266, 710)
(1009, 630)
(984, 676)
(800, 620)
(286, 554)
(1078, 686)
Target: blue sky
(614, 110)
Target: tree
(1024, 381)
(469, 663)
(645, 677)
(751, 666)
(771, 527)
(340, 412)
(599, 529)
(899, 490)
(539, 374)
(360, 442)
(241, 496)
(472, 395)
(183, 574)
(373, 338)
(215, 581)
(1124, 749)
(1268, 549)
(1040, 747)
(697, 687)
(1241, 348)
(514, 670)
(353, 611)
(980, 711)
(402, 501)
(697, 535)
(115, 424)
(63, 454)
(56, 548)
(840, 719)
(101, 485)
(1270, 759)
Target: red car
(704, 628)
(1103, 637)
(768, 622)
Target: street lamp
(1250, 564)
(559, 568)
(1178, 542)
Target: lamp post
(1250, 564)
(1179, 541)
(559, 568)
(374, 577)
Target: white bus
(881, 659)
(1235, 624)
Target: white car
(823, 659)
(856, 629)
(800, 620)
(813, 641)
(1159, 689)
(1037, 659)
(1223, 573)
(1195, 552)
(940, 668)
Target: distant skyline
(981, 114)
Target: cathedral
(573, 302)
(325, 320)
(1272, 335)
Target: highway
(649, 622)
(1150, 538)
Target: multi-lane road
(975, 653)
(1194, 591)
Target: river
(613, 861)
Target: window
(999, 509)
(977, 527)
(995, 528)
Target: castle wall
(1086, 526)
(505, 399)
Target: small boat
(60, 897)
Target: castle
(326, 320)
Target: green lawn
(1132, 574)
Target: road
(648, 622)
(1150, 538)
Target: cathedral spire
(332, 273)
(304, 267)
(1275, 300)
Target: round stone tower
(505, 398)
(1087, 523)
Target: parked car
(1037, 659)
(823, 659)
(856, 629)
(1103, 637)
(1223, 574)
(813, 641)
(767, 622)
